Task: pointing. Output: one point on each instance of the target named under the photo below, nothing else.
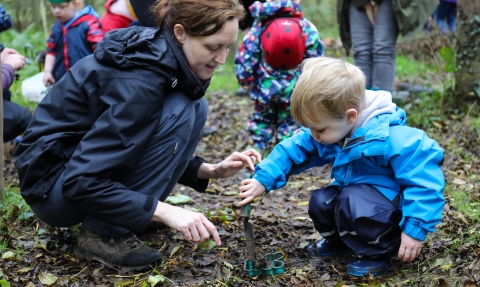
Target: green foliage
(408, 68)
(224, 78)
(323, 14)
(448, 55)
(21, 41)
(13, 206)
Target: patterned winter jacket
(250, 66)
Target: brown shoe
(126, 253)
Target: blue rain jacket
(385, 153)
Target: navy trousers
(157, 170)
(360, 216)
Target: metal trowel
(248, 227)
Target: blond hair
(327, 87)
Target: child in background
(387, 192)
(74, 36)
(446, 16)
(271, 88)
(118, 14)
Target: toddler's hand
(409, 248)
(250, 189)
(48, 79)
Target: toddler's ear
(351, 115)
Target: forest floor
(34, 254)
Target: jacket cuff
(189, 176)
(414, 231)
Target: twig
(220, 282)
(81, 270)
(336, 270)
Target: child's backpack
(5, 20)
(283, 41)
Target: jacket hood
(376, 103)
(379, 115)
(89, 11)
(268, 9)
(152, 49)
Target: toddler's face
(64, 11)
(330, 130)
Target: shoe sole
(373, 271)
(325, 254)
(89, 257)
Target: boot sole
(89, 257)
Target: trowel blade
(250, 240)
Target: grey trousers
(154, 172)
(374, 45)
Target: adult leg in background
(362, 41)
(385, 34)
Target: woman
(111, 139)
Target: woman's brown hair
(198, 17)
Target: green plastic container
(275, 265)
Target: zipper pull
(175, 148)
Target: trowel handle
(247, 208)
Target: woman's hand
(409, 248)
(17, 61)
(230, 166)
(194, 226)
(371, 9)
(250, 189)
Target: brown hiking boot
(126, 253)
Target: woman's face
(205, 53)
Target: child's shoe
(325, 248)
(364, 266)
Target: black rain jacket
(97, 120)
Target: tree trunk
(2, 156)
(467, 87)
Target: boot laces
(130, 239)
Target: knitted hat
(58, 1)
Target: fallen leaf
(303, 218)
(207, 245)
(8, 255)
(178, 199)
(303, 203)
(24, 270)
(459, 181)
(153, 280)
(176, 249)
(47, 278)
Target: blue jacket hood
(85, 11)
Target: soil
(280, 220)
